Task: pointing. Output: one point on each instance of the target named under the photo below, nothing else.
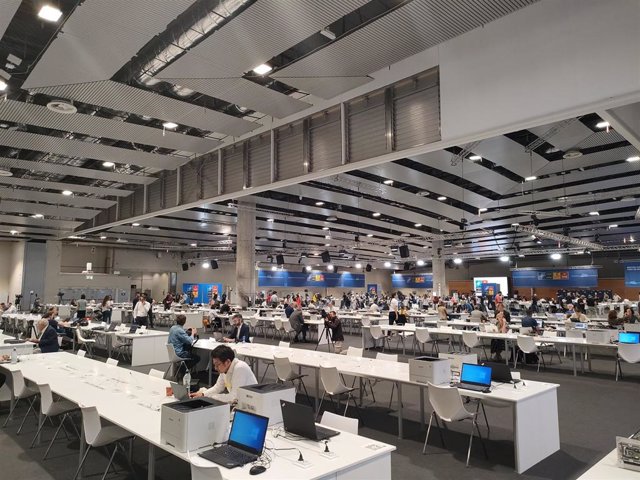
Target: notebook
(475, 377)
(300, 420)
(180, 392)
(246, 441)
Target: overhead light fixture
(475, 158)
(269, 219)
(603, 124)
(325, 228)
(3, 85)
(369, 235)
(417, 225)
(203, 224)
(539, 242)
(481, 210)
(530, 179)
(327, 237)
(319, 204)
(555, 256)
(358, 265)
(274, 268)
(613, 226)
(521, 255)
(206, 265)
(332, 218)
(504, 258)
(108, 164)
(376, 214)
(325, 32)
(515, 224)
(633, 159)
(442, 198)
(424, 193)
(170, 125)
(308, 268)
(13, 232)
(327, 244)
(6, 173)
(153, 229)
(330, 267)
(262, 69)
(193, 244)
(594, 213)
(420, 263)
(387, 264)
(49, 13)
(103, 237)
(37, 215)
(67, 193)
(388, 182)
(122, 240)
(457, 261)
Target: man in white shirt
(234, 374)
(393, 310)
(141, 311)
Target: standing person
(82, 307)
(393, 309)
(274, 300)
(150, 314)
(442, 312)
(182, 341)
(107, 308)
(297, 323)
(333, 323)
(168, 300)
(141, 311)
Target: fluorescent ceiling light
(388, 182)
(369, 235)
(325, 32)
(108, 164)
(358, 265)
(420, 263)
(475, 158)
(521, 256)
(332, 218)
(103, 237)
(319, 204)
(193, 244)
(327, 244)
(67, 193)
(5, 173)
(457, 261)
(387, 264)
(442, 198)
(327, 237)
(530, 179)
(37, 215)
(504, 258)
(269, 219)
(613, 226)
(170, 125)
(555, 256)
(417, 225)
(49, 13)
(13, 232)
(376, 214)
(515, 224)
(262, 69)
(135, 224)
(325, 228)
(633, 159)
(424, 193)
(603, 124)
(480, 210)
(594, 213)
(3, 85)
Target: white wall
(11, 269)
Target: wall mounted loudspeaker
(214, 264)
(368, 267)
(404, 251)
(326, 258)
(280, 259)
(185, 267)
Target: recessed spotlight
(325, 228)
(135, 224)
(376, 214)
(274, 268)
(308, 268)
(330, 267)
(319, 204)
(3, 85)
(420, 263)
(594, 213)
(424, 193)
(37, 215)
(358, 265)
(262, 69)
(327, 244)
(67, 193)
(442, 198)
(170, 125)
(193, 244)
(49, 13)
(481, 210)
(504, 258)
(108, 164)
(417, 225)
(388, 182)
(530, 179)
(555, 256)
(369, 235)
(103, 237)
(613, 226)
(457, 261)
(332, 218)
(13, 232)
(475, 158)
(539, 242)
(603, 124)
(387, 264)
(206, 265)
(633, 159)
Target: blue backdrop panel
(401, 280)
(202, 292)
(282, 278)
(581, 277)
(632, 274)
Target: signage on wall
(632, 274)
(202, 292)
(557, 277)
(401, 280)
(283, 278)
(372, 288)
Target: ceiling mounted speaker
(185, 267)
(280, 259)
(214, 264)
(368, 267)
(404, 251)
(326, 257)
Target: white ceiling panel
(55, 198)
(325, 87)
(265, 29)
(39, 222)
(119, 96)
(99, 127)
(410, 29)
(8, 9)
(511, 155)
(590, 160)
(569, 136)
(246, 94)
(48, 210)
(76, 148)
(49, 185)
(100, 37)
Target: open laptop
(246, 441)
(112, 327)
(300, 420)
(133, 328)
(580, 326)
(629, 337)
(500, 372)
(180, 392)
(475, 377)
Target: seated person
(297, 323)
(613, 320)
(529, 322)
(233, 374)
(47, 337)
(578, 316)
(477, 315)
(240, 332)
(333, 323)
(497, 344)
(182, 341)
(225, 307)
(629, 316)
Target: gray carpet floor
(593, 410)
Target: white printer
(458, 358)
(195, 423)
(430, 370)
(264, 399)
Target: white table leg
(400, 417)
(151, 467)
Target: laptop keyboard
(475, 388)
(229, 453)
(324, 432)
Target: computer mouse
(257, 470)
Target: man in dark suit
(240, 331)
(48, 337)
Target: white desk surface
(133, 400)
(607, 469)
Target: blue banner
(632, 274)
(372, 288)
(202, 292)
(402, 280)
(283, 278)
(557, 277)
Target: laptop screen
(248, 432)
(476, 374)
(581, 326)
(629, 337)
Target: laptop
(180, 392)
(475, 377)
(629, 337)
(300, 420)
(133, 328)
(580, 326)
(500, 372)
(246, 441)
(112, 327)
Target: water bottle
(14, 355)
(186, 380)
(244, 338)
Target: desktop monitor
(629, 337)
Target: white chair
(98, 436)
(422, 338)
(174, 362)
(471, 340)
(269, 363)
(21, 391)
(338, 422)
(527, 345)
(377, 334)
(630, 353)
(287, 329)
(388, 358)
(277, 327)
(355, 352)
(448, 407)
(51, 409)
(204, 472)
(156, 373)
(286, 373)
(333, 386)
(88, 343)
(112, 361)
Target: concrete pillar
(52, 271)
(245, 253)
(439, 275)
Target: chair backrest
(112, 361)
(91, 423)
(629, 352)
(387, 357)
(81, 353)
(376, 331)
(205, 472)
(283, 367)
(286, 325)
(79, 334)
(19, 385)
(422, 334)
(346, 424)
(173, 358)
(284, 344)
(277, 323)
(527, 344)
(46, 398)
(549, 333)
(156, 373)
(470, 339)
(355, 352)
(366, 321)
(574, 334)
(525, 330)
(330, 379)
(447, 403)
(628, 327)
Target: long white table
(607, 469)
(147, 348)
(22, 348)
(133, 400)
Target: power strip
(329, 455)
(304, 464)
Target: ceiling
(130, 69)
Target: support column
(246, 253)
(439, 275)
